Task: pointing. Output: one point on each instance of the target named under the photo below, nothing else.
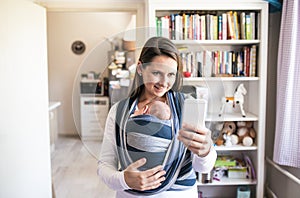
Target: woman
(168, 168)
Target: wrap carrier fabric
(156, 140)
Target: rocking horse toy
(238, 98)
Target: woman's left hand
(197, 140)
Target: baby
(156, 108)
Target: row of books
(230, 25)
(207, 63)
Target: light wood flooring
(74, 169)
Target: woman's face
(159, 76)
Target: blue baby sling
(156, 140)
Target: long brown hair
(157, 46)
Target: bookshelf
(219, 85)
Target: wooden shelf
(229, 182)
(236, 148)
(203, 79)
(231, 117)
(215, 42)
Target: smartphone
(194, 112)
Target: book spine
(183, 61)
(224, 26)
(236, 26)
(199, 60)
(209, 64)
(215, 27)
(203, 27)
(229, 62)
(172, 18)
(247, 61)
(191, 27)
(158, 26)
(252, 17)
(230, 25)
(165, 26)
(220, 33)
(248, 27)
(253, 61)
(240, 64)
(242, 25)
(234, 64)
(258, 26)
(208, 34)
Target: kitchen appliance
(92, 86)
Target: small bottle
(206, 178)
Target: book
(246, 61)
(203, 27)
(229, 55)
(253, 24)
(234, 64)
(240, 63)
(242, 25)
(207, 67)
(237, 172)
(220, 33)
(165, 24)
(208, 27)
(215, 27)
(158, 26)
(172, 20)
(178, 27)
(199, 61)
(224, 26)
(197, 26)
(248, 27)
(253, 61)
(236, 26)
(230, 31)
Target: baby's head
(159, 109)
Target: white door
(25, 168)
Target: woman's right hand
(143, 180)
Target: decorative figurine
(238, 98)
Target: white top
(108, 164)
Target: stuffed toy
(216, 129)
(228, 130)
(245, 133)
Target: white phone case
(194, 112)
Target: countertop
(53, 105)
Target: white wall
(24, 127)
(65, 67)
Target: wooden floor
(74, 169)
